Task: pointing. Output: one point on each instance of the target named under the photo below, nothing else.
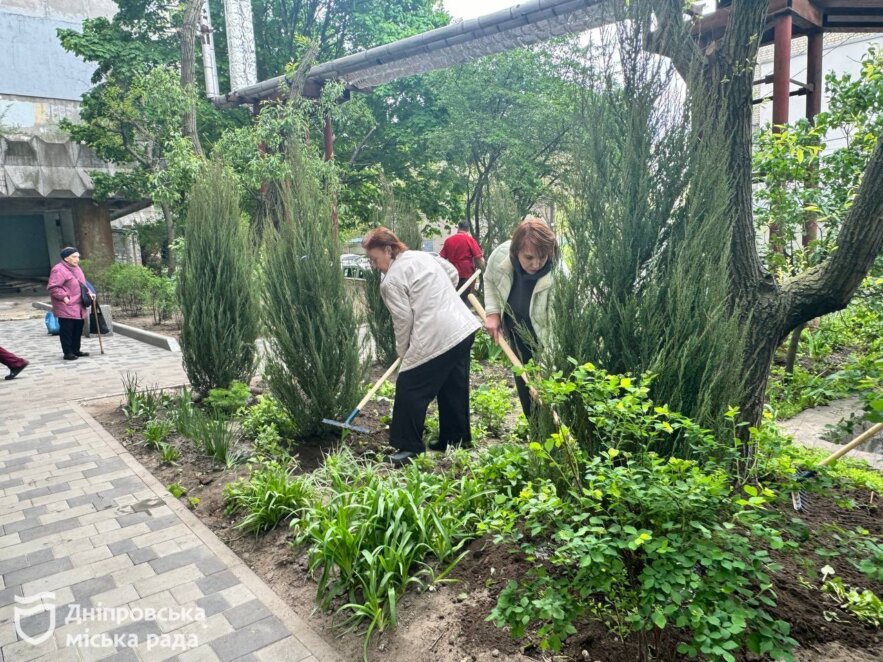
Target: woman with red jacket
(65, 280)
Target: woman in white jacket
(517, 285)
(434, 332)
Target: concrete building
(45, 188)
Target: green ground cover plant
(270, 495)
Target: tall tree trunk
(170, 236)
(187, 34)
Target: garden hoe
(798, 499)
(348, 423)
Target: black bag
(100, 325)
(85, 296)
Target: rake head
(800, 499)
(346, 426)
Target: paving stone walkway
(109, 565)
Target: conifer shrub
(315, 365)
(216, 285)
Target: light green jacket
(498, 283)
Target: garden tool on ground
(798, 499)
(97, 326)
(347, 424)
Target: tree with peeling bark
(664, 213)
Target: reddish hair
(383, 238)
(536, 233)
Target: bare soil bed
(448, 624)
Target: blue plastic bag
(52, 324)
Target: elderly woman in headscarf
(66, 287)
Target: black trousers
(525, 353)
(445, 377)
(70, 334)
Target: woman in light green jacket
(518, 283)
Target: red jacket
(64, 281)
(460, 250)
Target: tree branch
(296, 88)
(830, 285)
(672, 38)
(187, 34)
(362, 144)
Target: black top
(517, 317)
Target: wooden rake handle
(507, 349)
(858, 441)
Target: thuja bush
(379, 319)
(216, 285)
(315, 365)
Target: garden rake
(347, 424)
(534, 394)
(799, 498)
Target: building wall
(41, 83)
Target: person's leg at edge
(453, 399)
(15, 363)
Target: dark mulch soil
(448, 623)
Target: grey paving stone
(142, 555)
(157, 523)
(211, 565)
(178, 559)
(48, 529)
(105, 466)
(35, 624)
(25, 560)
(249, 639)
(33, 572)
(213, 604)
(216, 582)
(30, 494)
(121, 547)
(12, 482)
(76, 461)
(246, 614)
(124, 655)
(7, 595)
(90, 587)
(131, 518)
(141, 629)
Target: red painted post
(781, 69)
(814, 57)
(329, 155)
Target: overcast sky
(473, 8)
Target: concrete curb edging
(148, 337)
(299, 628)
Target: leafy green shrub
(371, 535)
(216, 285)
(646, 543)
(229, 400)
(268, 411)
(615, 411)
(491, 403)
(790, 394)
(141, 404)
(314, 365)
(270, 495)
(218, 438)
